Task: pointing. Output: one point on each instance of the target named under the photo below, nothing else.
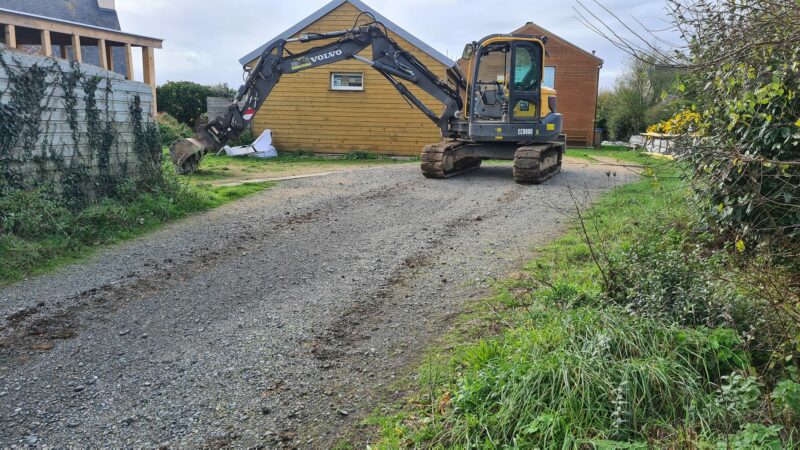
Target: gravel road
(276, 321)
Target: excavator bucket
(186, 155)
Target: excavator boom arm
(388, 58)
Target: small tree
(636, 101)
(605, 101)
(183, 100)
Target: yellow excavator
(503, 112)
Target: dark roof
(81, 11)
(308, 21)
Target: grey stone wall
(59, 133)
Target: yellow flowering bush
(680, 123)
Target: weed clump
(676, 281)
(587, 375)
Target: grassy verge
(40, 231)
(621, 334)
(622, 153)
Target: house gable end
(532, 28)
(358, 4)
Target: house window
(347, 81)
(549, 77)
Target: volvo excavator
(503, 112)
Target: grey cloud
(204, 39)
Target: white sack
(261, 148)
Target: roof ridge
(320, 13)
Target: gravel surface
(276, 321)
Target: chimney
(108, 5)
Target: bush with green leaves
(668, 277)
(31, 213)
(360, 156)
(171, 130)
(187, 101)
(754, 436)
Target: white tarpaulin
(261, 148)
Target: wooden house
(347, 106)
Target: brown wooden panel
(77, 55)
(11, 36)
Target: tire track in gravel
(40, 329)
(345, 330)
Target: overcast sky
(203, 40)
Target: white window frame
(555, 74)
(347, 88)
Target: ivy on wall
(91, 162)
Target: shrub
(31, 213)
(754, 436)
(605, 100)
(183, 100)
(749, 129)
(171, 130)
(683, 122)
(222, 90)
(360, 155)
(665, 277)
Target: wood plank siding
(304, 114)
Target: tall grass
(563, 378)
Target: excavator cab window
(525, 87)
(490, 82)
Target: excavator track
(535, 164)
(438, 161)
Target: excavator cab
(506, 89)
(508, 114)
(506, 68)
